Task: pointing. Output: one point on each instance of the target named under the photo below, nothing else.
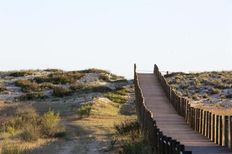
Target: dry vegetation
(207, 89)
(54, 111)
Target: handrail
(160, 144)
(218, 128)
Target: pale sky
(178, 35)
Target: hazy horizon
(113, 35)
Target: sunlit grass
(103, 117)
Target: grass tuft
(61, 92)
(84, 110)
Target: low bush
(26, 114)
(174, 74)
(117, 98)
(50, 124)
(30, 133)
(32, 126)
(104, 77)
(205, 96)
(128, 127)
(103, 74)
(100, 89)
(229, 96)
(27, 85)
(2, 88)
(214, 91)
(47, 85)
(137, 147)
(131, 139)
(84, 110)
(122, 91)
(94, 70)
(53, 70)
(89, 89)
(61, 92)
(59, 77)
(77, 87)
(21, 73)
(195, 97)
(32, 96)
(11, 130)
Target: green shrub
(47, 85)
(50, 124)
(122, 91)
(222, 86)
(88, 89)
(138, 147)
(229, 96)
(10, 129)
(27, 85)
(41, 79)
(59, 77)
(30, 133)
(117, 98)
(24, 115)
(132, 140)
(21, 73)
(214, 91)
(104, 77)
(84, 110)
(61, 92)
(103, 74)
(32, 96)
(128, 127)
(100, 89)
(77, 87)
(2, 88)
(53, 70)
(195, 97)
(184, 85)
(94, 70)
(205, 96)
(27, 114)
(32, 126)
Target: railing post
(177, 148)
(230, 132)
(180, 148)
(216, 129)
(220, 130)
(203, 123)
(135, 67)
(225, 131)
(212, 127)
(173, 144)
(209, 124)
(200, 122)
(154, 69)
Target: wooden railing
(160, 144)
(218, 128)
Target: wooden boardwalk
(172, 124)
